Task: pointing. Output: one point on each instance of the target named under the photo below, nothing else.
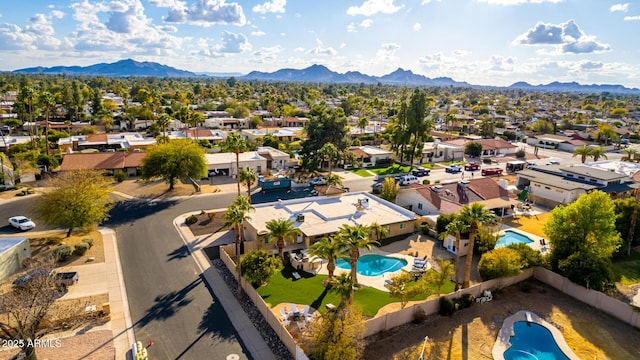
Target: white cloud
(258, 33)
(320, 50)
(567, 36)
(632, 18)
(387, 51)
(233, 43)
(206, 13)
(275, 6)
(366, 23)
(371, 7)
(619, 7)
(353, 27)
(417, 26)
(459, 52)
(518, 2)
(266, 55)
(342, 45)
(501, 63)
(591, 65)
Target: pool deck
(377, 282)
(502, 342)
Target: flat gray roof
(554, 180)
(8, 243)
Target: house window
(403, 226)
(259, 169)
(548, 188)
(389, 229)
(419, 206)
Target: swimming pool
(512, 237)
(374, 265)
(533, 341)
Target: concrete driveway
(93, 280)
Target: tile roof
(101, 161)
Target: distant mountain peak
(125, 67)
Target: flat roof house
(321, 216)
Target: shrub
(467, 300)
(420, 316)
(520, 153)
(447, 306)
(426, 182)
(424, 228)
(88, 241)
(54, 240)
(81, 248)
(190, 220)
(120, 175)
(62, 253)
(486, 160)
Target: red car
(492, 171)
(471, 167)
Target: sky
(482, 42)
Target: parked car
(22, 222)
(492, 171)
(553, 162)
(420, 172)
(376, 188)
(472, 166)
(321, 180)
(408, 179)
(453, 168)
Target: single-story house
(558, 142)
(490, 147)
(433, 152)
(103, 142)
(14, 252)
(129, 162)
(320, 216)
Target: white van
(408, 179)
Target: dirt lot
(41, 246)
(160, 189)
(471, 333)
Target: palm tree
(243, 203)
(329, 152)
(353, 238)
(455, 228)
(631, 154)
(236, 144)
(344, 286)
(334, 180)
(475, 215)
(583, 152)
(235, 216)
(282, 229)
(597, 153)
(163, 122)
(379, 231)
(362, 124)
(331, 249)
(248, 177)
(48, 101)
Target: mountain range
(313, 74)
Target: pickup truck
(420, 172)
(68, 278)
(492, 171)
(453, 168)
(471, 166)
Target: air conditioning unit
(300, 218)
(436, 188)
(464, 183)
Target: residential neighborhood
(479, 202)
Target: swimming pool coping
(502, 343)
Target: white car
(22, 222)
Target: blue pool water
(374, 265)
(512, 237)
(533, 341)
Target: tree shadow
(168, 305)
(128, 211)
(317, 303)
(179, 253)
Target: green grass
(309, 290)
(393, 169)
(361, 172)
(627, 269)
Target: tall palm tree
(334, 180)
(48, 102)
(236, 144)
(331, 249)
(282, 229)
(344, 286)
(583, 152)
(353, 238)
(248, 177)
(235, 216)
(379, 231)
(362, 124)
(597, 153)
(329, 152)
(163, 122)
(475, 215)
(455, 228)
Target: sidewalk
(250, 336)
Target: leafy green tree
(331, 249)
(417, 125)
(281, 230)
(325, 126)
(180, 158)
(236, 144)
(626, 209)
(440, 278)
(79, 199)
(499, 263)
(389, 189)
(403, 289)
(338, 335)
(353, 238)
(257, 266)
(48, 102)
(475, 215)
(529, 257)
(248, 177)
(473, 149)
(588, 269)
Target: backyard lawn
(309, 290)
(627, 269)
